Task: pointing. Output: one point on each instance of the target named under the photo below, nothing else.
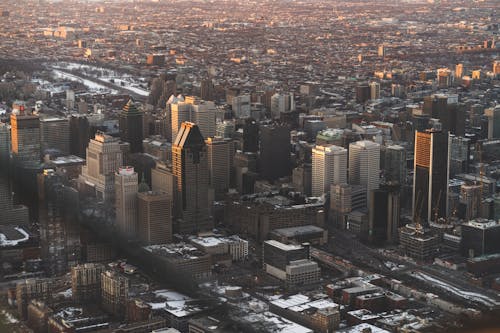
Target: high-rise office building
(193, 109)
(374, 90)
(163, 180)
(25, 136)
(154, 217)
(340, 204)
(431, 173)
(274, 152)
(220, 161)
(207, 90)
(460, 154)
(281, 103)
(190, 168)
(364, 165)
(329, 166)
(241, 106)
(54, 135)
(5, 145)
(493, 115)
(363, 93)
(131, 126)
(251, 136)
(126, 187)
(395, 164)
(79, 129)
(384, 214)
(104, 157)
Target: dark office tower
(250, 136)
(435, 104)
(274, 152)
(385, 210)
(190, 168)
(363, 93)
(452, 116)
(54, 135)
(25, 137)
(4, 146)
(79, 137)
(207, 90)
(395, 164)
(431, 174)
(131, 126)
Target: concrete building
(374, 90)
(236, 247)
(180, 261)
(241, 106)
(220, 162)
(163, 180)
(114, 292)
(290, 263)
(126, 187)
(281, 103)
(364, 165)
(86, 282)
(321, 314)
(154, 217)
(480, 237)
(193, 109)
(190, 169)
(297, 235)
(29, 289)
(493, 115)
(329, 167)
(25, 137)
(104, 158)
(417, 242)
(54, 135)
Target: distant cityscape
(288, 166)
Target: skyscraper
(154, 217)
(364, 165)
(329, 167)
(431, 173)
(126, 187)
(395, 164)
(131, 126)
(493, 115)
(384, 214)
(5, 145)
(274, 152)
(195, 110)
(54, 135)
(250, 136)
(374, 90)
(190, 168)
(220, 161)
(104, 157)
(25, 136)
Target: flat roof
(284, 247)
(294, 231)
